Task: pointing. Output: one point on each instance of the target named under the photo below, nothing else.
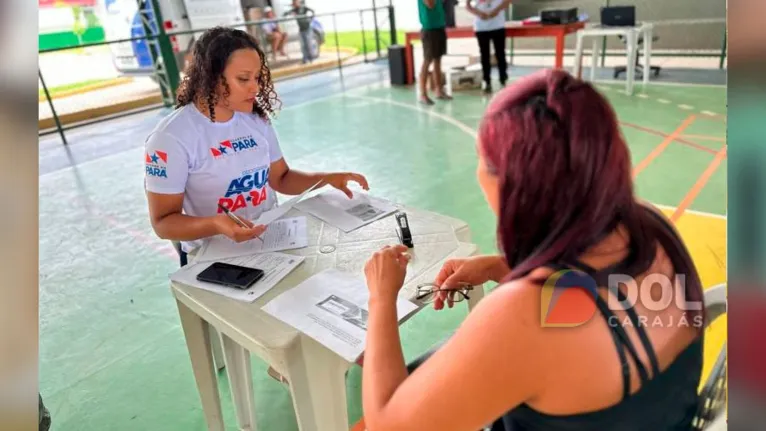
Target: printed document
(276, 213)
(331, 307)
(335, 208)
(284, 234)
(276, 266)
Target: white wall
(51, 20)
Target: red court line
(359, 426)
(660, 148)
(699, 185)
(140, 237)
(137, 235)
(680, 139)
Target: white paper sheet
(275, 265)
(284, 234)
(335, 208)
(275, 213)
(331, 307)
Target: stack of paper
(331, 307)
(284, 234)
(275, 213)
(275, 266)
(335, 208)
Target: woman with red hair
(556, 171)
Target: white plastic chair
(712, 396)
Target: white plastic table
(315, 374)
(631, 35)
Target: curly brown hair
(204, 72)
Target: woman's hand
(474, 270)
(340, 180)
(226, 226)
(385, 272)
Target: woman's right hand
(226, 226)
(474, 270)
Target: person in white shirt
(489, 26)
(218, 149)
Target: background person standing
(434, 37)
(305, 16)
(489, 26)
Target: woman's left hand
(340, 180)
(385, 272)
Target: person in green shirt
(434, 37)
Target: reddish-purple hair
(564, 173)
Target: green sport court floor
(112, 353)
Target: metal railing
(166, 71)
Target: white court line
(686, 107)
(359, 104)
(311, 102)
(710, 113)
(669, 84)
(472, 133)
(665, 101)
(104, 158)
(460, 125)
(643, 96)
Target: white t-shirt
(213, 163)
(487, 6)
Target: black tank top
(666, 400)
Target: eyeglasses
(428, 292)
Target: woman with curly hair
(218, 149)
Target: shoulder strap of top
(632, 315)
(619, 335)
(624, 365)
(602, 277)
(618, 331)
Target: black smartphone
(226, 274)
